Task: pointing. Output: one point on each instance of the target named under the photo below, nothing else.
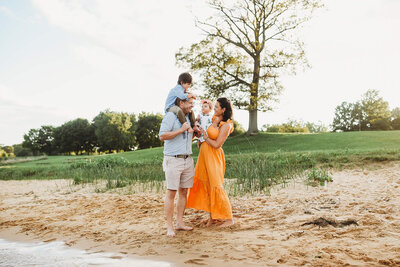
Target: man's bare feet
(170, 233)
(227, 223)
(183, 228)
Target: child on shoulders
(180, 91)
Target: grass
(253, 164)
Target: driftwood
(325, 222)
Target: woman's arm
(223, 134)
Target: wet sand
(269, 230)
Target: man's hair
(185, 78)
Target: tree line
(295, 126)
(109, 131)
(371, 112)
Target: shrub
(238, 129)
(318, 176)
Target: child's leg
(179, 113)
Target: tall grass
(253, 164)
(118, 172)
(258, 172)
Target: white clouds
(131, 42)
(128, 28)
(7, 12)
(18, 116)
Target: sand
(268, 229)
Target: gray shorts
(179, 172)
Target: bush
(3, 154)
(291, 126)
(380, 124)
(396, 124)
(238, 129)
(318, 176)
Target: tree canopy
(370, 113)
(109, 131)
(248, 45)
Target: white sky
(64, 59)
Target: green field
(255, 162)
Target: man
(178, 164)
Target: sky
(67, 59)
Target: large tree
(370, 113)
(376, 110)
(40, 140)
(31, 141)
(76, 135)
(395, 119)
(396, 113)
(343, 119)
(248, 44)
(148, 126)
(114, 131)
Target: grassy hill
(255, 161)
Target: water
(58, 254)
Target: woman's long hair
(226, 104)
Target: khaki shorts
(179, 172)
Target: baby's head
(206, 106)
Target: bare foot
(209, 222)
(170, 233)
(227, 223)
(183, 228)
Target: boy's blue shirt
(177, 91)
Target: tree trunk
(253, 108)
(253, 127)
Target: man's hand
(185, 126)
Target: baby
(205, 118)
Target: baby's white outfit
(205, 122)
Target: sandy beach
(269, 230)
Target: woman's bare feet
(209, 222)
(227, 223)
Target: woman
(207, 192)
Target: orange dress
(208, 193)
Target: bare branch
(220, 34)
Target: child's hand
(190, 95)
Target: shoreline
(268, 229)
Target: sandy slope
(268, 231)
